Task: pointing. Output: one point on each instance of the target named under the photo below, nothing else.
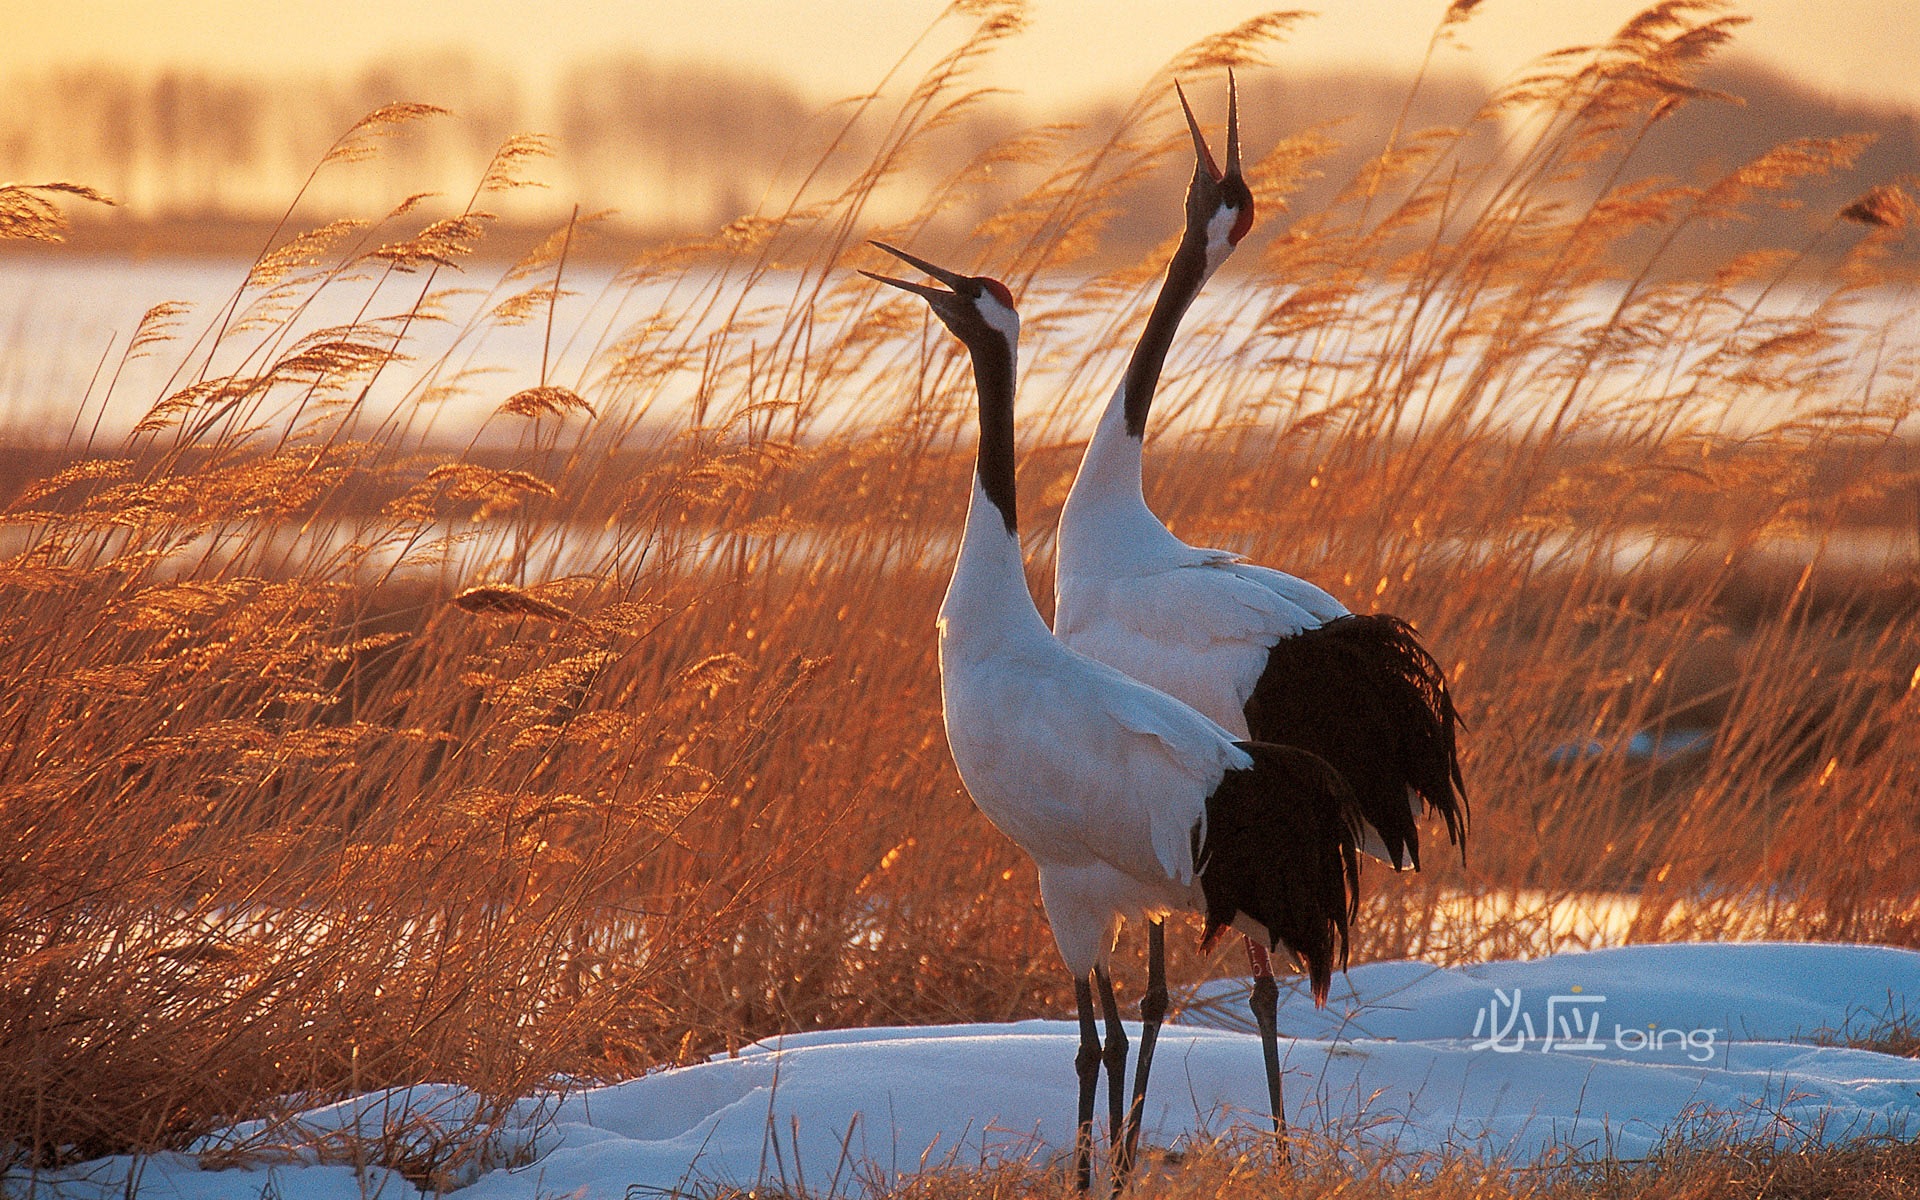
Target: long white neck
(1106, 527)
(988, 609)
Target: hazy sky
(1863, 49)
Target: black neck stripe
(993, 376)
(1185, 274)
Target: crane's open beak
(953, 279)
(1202, 154)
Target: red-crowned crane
(1130, 803)
(1266, 655)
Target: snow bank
(1606, 1053)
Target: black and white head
(1219, 202)
(980, 313)
(979, 310)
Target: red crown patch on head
(1241, 225)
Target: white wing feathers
(1177, 760)
(1198, 629)
(1317, 603)
(1214, 597)
(1080, 764)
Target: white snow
(1603, 1053)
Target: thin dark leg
(1266, 998)
(1087, 1065)
(1115, 1056)
(1153, 1010)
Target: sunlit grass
(296, 811)
(1230, 1168)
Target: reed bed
(1230, 1168)
(342, 746)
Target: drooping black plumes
(1363, 694)
(1281, 846)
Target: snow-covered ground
(1604, 1053)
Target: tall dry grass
(333, 757)
(1229, 1169)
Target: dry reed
(1230, 1168)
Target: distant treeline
(677, 150)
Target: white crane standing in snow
(1266, 655)
(1130, 803)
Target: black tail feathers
(1282, 847)
(1363, 694)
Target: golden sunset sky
(1862, 50)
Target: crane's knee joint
(1153, 1005)
(1266, 996)
(1087, 1061)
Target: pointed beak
(1202, 155)
(1233, 126)
(919, 289)
(952, 279)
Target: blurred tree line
(682, 149)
